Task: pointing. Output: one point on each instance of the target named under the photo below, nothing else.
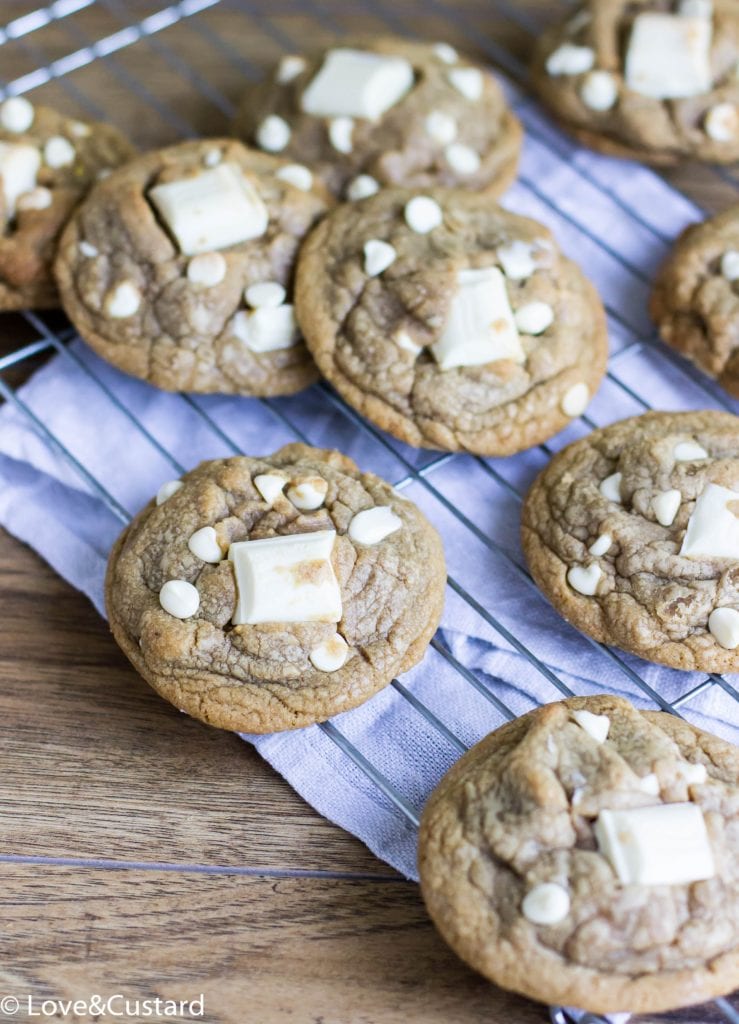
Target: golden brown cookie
(450, 322)
(587, 854)
(262, 594)
(178, 268)
(365, 114)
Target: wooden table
(140, 852)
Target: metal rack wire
(150, 32)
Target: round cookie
(653, 80)
(262, 594)
(47, 163)
(695, 302)
(386, 112)
(632, 534)
(450, 322)
(587, 854)
(178, 268)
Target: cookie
(47, 164)
(178, 268)
(695, 301)
(632, 534)
(261, 594)
(450, 322)
(365, 115)
(653, 80)
(587, 854)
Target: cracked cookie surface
(450, 322)
(162, 269)
(514, 823)
(632, 535)
(385, 569)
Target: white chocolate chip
(273, 134)
(267, 328)
(445, 53)
(357, 83)
(361, 187)
(713, 527)
(601, 545)
(207, 269)
(373, 525)
(575, 400)
(722, 122)
(649, 784)
(180, 598)
(309, 493)
(441, 127)
(596, 726)
(212, 158)
(297, 175)
(423, 214)
(610, 488)
(668, 56)
(167, 489)
(290, 67)
(403, 340)
(599, 90)
(38, 198)
(723, 624)
(546, 903)
(88, 249)
(16, 114)
(517, 260)
(730, 265)
(694, 774)
(462, 159)
(59, 152)
(19, 165)
(569, 59)
(340, 132)
(534, 318)
(265, 293)
(270, 486)
(480, 327)
(204, 545)
(123, 300)
(378, 256)
(467, 81)
(585, 580)
(689, 451)
(331, 655)
(666, 505)
(80, 129)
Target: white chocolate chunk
(373, 525)
(273, 134)
(59, 152)
(713, 528)
(462, 159)
(167, 489)
(610, 488)
(297, 175)
(601, 545)
(211, 210)
(596, 726)
(16, 114)
(340, 133)
(123, 300)
(663, 845)
(445, 53)
(694, 774)
(689, 451)
(585, 580)
(19, 165)
(88, 249)
(569, 59)
(266, 329)
(38, 198)
(668, 56)
(723, 624)
(467, 81)
(575, 400)
(286, 579)
(403, 340)
(722, 122)
(213, 157)
(270, 486)
(534, 317)
(517, 260)
(80, 129)
(546, 903)
(649, 784)
(423, 214)
(356, 83)
(599, 90)
(204, 545)
(378, 256)
(265, 293)
(308, 494)
(666, 505)
(361, 187)
(480, 327)
(180, 598)
(331, 655)
(730, 265)
(207, 269)
(441, 127)
(290, 67)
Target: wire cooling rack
(53, 50)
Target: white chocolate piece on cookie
(204, 545)
(649, 784)
(19, 165)
(575, 400)
(668, 56)
(309, 493)
(330, 655)
(290, 66)
(713, 527)
(534, 317)
(516, 259)
(730, 265)
(463, 159)
(694, 774)
(38, 198)
(467, 81)
(179, 598)
(273, 134)
(601, 545)
(546, 903)
(584, 579)
(59, 152)
(570, 59)
(357, 83)
(441, 127)
(599, 90)
(123, 300)
(610, 488)
(689, 451)
(297, 175)
(723, 625)
(267, 329)
(722, 122)
(341, 134)
(378, 256)
(208, 269)
(17, 114)
(265, 293)
(445, 53)
(270, 486)
(373, 525)
(168, 488)
(361, 187)
(88, 250)
(596, 726)
(423, 214)
(666, 505)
